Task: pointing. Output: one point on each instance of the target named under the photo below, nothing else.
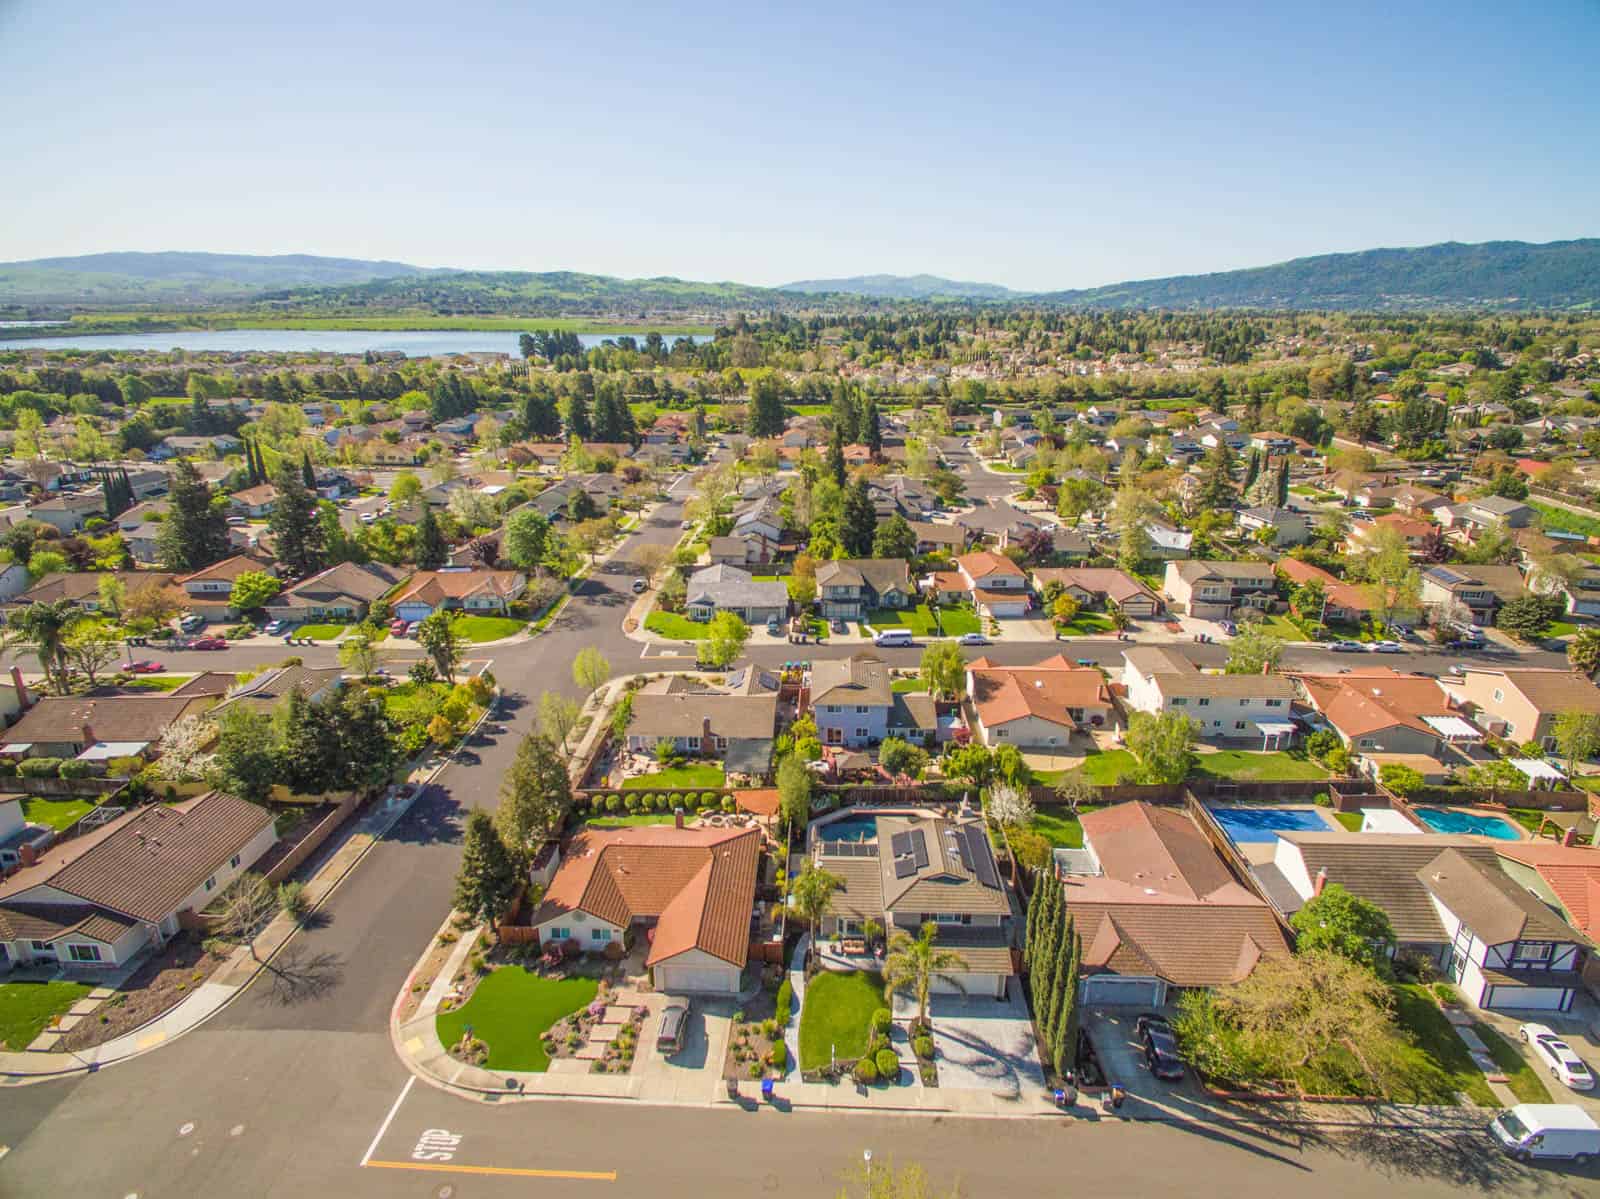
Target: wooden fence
(312, 841)
(85, 787)
(1544, 801)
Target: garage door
(1550, 999)
(696, 978)
(976, 985)
(1110, 990)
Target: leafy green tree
(359, 654)
(944, 670)
(443, 642)
(859, 521)
(488, 876)
(526, 539)
(558, 716)
(836, 468)
(1253, 650)
(794, 791)
(901, 757)
(577, 417)
(432, 550)
(973, 763)
(1583, 651)
(1528, 617)
(590, 669)
(245, 763)
(725, 639)
(406, 489)
(1216, 480)
(894, 539)
(1345, 924)
(44, 628)
(766, 415)
(252, 589)
(195, 532)
(293, 522)
(1162, 745)
(1400, 778)
(535, 795)
(811, 893)
(1578, 736)
(912, 964)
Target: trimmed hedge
(40, 768)
(785, 1003)
(888, 1065)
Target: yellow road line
(513, 1171)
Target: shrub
(728, 803)
(1322, 799)
(755, 1070)
(631, 801)
(881, 1020)
(292, 901)
(778, 1059)
(865, 1071)
(39, 768)
(8, 767)
(769, 1029)
(923, 1048)
(888, 1065)
(785, 1003)
(72, 769)
(614, 803)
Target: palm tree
(43, 628)
(912, 964)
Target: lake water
(418, 344)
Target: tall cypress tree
(308, 474)
(1059, 969)
(836, 455)
(1252, 468)
(1282, 489)
(1035, 903)
(1044, 982)
(1065, 1048)
(431, 547)
(296, 532)
(871, 433)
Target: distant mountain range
(903, 287)
(1493, 275)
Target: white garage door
(1548, 999)
(1110, 990)
(977, 985)
(697, 978)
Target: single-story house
(1036, 707)
(1102, 586)
(729, 589)
(737, 722)
(254, 502)
(1376, 709)
(65, 726)
(451, 590)
(341, 593)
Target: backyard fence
(313, 840)
(1544, 801)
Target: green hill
(902, 287)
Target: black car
(1160, 1047)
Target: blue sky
(1040, 146)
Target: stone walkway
(1461, 1022)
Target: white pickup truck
(1547, 1130)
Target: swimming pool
(1453, 820)
(1261, 826)
(850, 828)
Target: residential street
(285, 1090)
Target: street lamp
(866, 1156)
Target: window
(41, 946)
(861, 709)
(1002, 732)
(1204, 703)
(947, 917)
(211, 883)
(861, 732)
(1238, 724)
(234, 861)
(560, 934)
(1244, 703)
(833, 708)
(1274, 703)
(599, 934)
(722, 742)
(1539, 952)
(1499, 695)
(1180, 702)
(84, 953)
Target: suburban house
(915, 716)
(475, 591)
(341, 593)
(1036, 707)
(66, 513)
(1346, 603)
(691, 892)
(1507, 948)
(998, 586)
(740, 551)
(1565, 879)
(14, 580)
(1217, 590)
(729, 589)
(851, 587)
(1225, 705)
(101, 898)
(1156, 908)
(850, 699)
(1479, 589)
(1102, 587)
(17, 837)
(1521, 705)
(1289, 526)
(1364, 535)
(140, 529)
(254, 502)
(184, 446)
(1166, 542)
(917, 869)
(1269, 442)
(1378, 711)
(759, 518)
(1486, 511)
(98, 728)
(936, 538)
(83, 587)
(736, 722)
(209, 589)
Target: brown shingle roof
(698, 883)
(680, 714)
(1490, 903)
(1116, 585)
(151, 859)
(230, 568)
(81, 585)
(1377, 698)
(858, 679)
(436, 586)
(948, 882)
(1556, 690)
(58, 719)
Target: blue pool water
(850, 828)
(1446, 820)
(1262, 825)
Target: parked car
(411, 628)
(640, 586)
(1160, 1047)
(1228, 627)
(237, 521)
(674, 1028)
(838, 625)
(1387, 647)
(190, 621)
(275, 628)
(369, 518)
(1555, 1130)
(1557, 1056)
(208, 643)
(774, 626)
(687, 524)
(397, 627)
(146, 666)
(1346, 647)
(972, 639)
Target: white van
(892, 637)
(1540, 1130)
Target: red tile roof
(1047, 690)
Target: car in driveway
(838, 626)
(1387, 647)
(397, 627)
(1346, 647)
(640, 586)
(208, 643)
(275, 628)
(1160, 1047)
(673, 1031)
(145, 666)
(1557, 1056)
(972, 639)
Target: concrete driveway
(1579, 1028)
(1111, 1031)
(694, 1074)
(983, 1044)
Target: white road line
(388, 1120)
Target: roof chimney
(1321, 880)
(88, 734)
(677, 816)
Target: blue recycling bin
(767, 1088)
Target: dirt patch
(158, 986)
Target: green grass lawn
(477, 629)
(510, 1009)
(157, 682)
(956, 621)
(1089, 624)
(1438, 1050)
(692, 774)
(26, 1008)
(1248, 766)
(1528, 818)
(320, 632)
(836, 1015)
(676, 627)
(59, 814)
(906, 686)
(1561, 628)
(631, 821)
(1350, 820)
(1281, 626)
(1521, 1076)
(1560, 518)
(1060, 827)
(1104, 769)
(919, 620)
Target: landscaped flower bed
(755, 1044)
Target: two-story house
(210, 589)
(849, 588)
(67, 513)
(1218, 590)
(1522, 705)
(1479, 589)
(254, 503)
(997, 585)
(850, 699)
(1289, 526)
(1236, 706)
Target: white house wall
(1028, 732)
(225, 874)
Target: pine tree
(1252, 469)
(766, 417)
(836, 456)
(431, 547)
(1282, 489)
(1216, 487)
(859, 522)
(1059, 969)
(871, 433)
(578, 424)
(308, 473)
(195, 533)
(296, 532)
(488, 875)
(1065, 1047)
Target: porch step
(591, 1052)
(618, 1013)
(604, 1034)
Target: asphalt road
(286, 1092)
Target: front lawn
(957, 621)
(320, 632)
(919, 620)
(692, 774)
(1521, 1076)
(1103, 769)
(1438, 1051)
(1280, 625)
(26, 1008)
(1089, 624)
(477, 629)
(156, 682)
(836, 1016)
(510, 1009)
(1561, 628)
(1245, 765)
(675, 627)
(59, 814)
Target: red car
(208, 643)
(397, 628)
(144, 667)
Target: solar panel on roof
(979, 862)
(900, 843)
(919, 849)
(903, 867)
